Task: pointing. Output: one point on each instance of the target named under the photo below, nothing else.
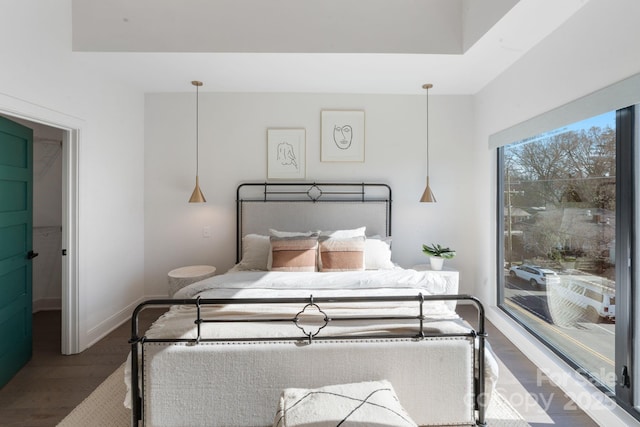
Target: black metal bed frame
(310, 332)
(316, 193)
(309, 192)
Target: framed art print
(286, 153)
(342, 137)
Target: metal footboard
(311, 319)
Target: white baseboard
(104, 328)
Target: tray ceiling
(328, 46)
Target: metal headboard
(307, 206)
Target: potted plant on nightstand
(437, 254)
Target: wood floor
(51, 384)
(529, 391)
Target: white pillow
(344, 234)
(370, 403)
(255, 252)
(256, 249)
(277, 233)
(377, 254)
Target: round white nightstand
(183, 276)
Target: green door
(16, 188)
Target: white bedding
(179, 320)
(228, 284)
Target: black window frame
(625, 238)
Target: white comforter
(232, 283)
(178, 322)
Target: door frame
(72, 329)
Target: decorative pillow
(341, 254)
(255, 252)
(377, 254)
(371, 403)
(344, 234)
(298, 253)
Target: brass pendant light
(197, 196)
(427, 195)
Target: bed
(314, 307)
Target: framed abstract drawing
(286, 153)
(342, 136)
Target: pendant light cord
(427, 131)
(197, 130)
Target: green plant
(438, 251)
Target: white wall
(42, 80)
(595, 48)
(233, 143)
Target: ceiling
(311, 46)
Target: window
(565, 210)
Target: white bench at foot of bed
(239, 384)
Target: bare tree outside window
(559, 240)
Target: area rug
(104, 408)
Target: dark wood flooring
(528, 390)
(51, 384)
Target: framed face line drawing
(286, 153)
(342, 136)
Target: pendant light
(197, 196)
(427, 196)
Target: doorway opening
(55, 235)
